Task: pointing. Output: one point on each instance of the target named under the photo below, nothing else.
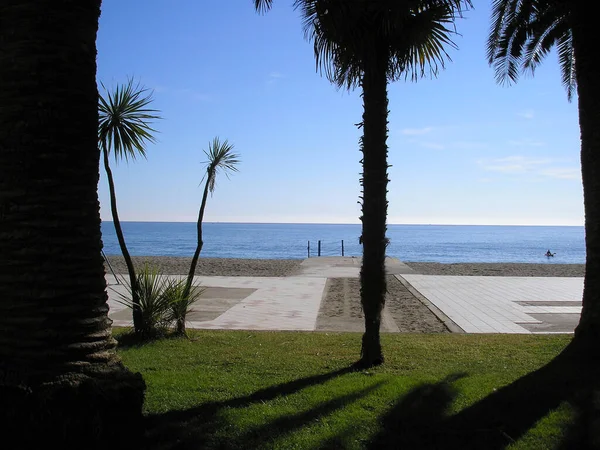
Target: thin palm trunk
(584, 28)
(180, 327)
(61, 383)
(374, 206)
(200, 243)
(137, 312)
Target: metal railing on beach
(332, 249)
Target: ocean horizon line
(345, 223)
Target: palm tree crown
(124, 123)
(523, 32)
(414, 32)
(220, 158)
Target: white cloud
(532, 167)
(274, 77)
(562, 173)
(526, 143)
(416, 131)
(469, 145)
(527, 114)
(184, 92)
(512, 164)
(432, 145)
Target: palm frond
(522, 34)
(566, 57)
(125, 120)
(262, 6)
(419, 49)
(540, 43)
(508, 49)
(220, 158)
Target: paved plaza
(245, 303)
(504, 304)
(471, 304)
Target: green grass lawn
(244, 390)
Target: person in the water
(549, 253)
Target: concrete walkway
(345, 267)
(245, 303)
(504, 304)
(470, 304)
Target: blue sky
(464, 150)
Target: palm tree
(220, 158)
(369, 43)
(522, 34)
(124, 127)
(61, 383)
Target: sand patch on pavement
(341, 310)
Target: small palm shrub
(162, 301)
(180, 302)
(153, 305)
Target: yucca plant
(154, 306)
(221, 158)
(124, 128)
(180, 302)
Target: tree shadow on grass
(194, 427)
(418, 420)
(408, 423)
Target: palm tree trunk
(374, 206)
(190, 279)
(135, 300)
(61, 383)
(585, 30)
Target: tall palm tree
(124, 128)
(368, 43)
(220, 158)
(61, 383)
(522, 34)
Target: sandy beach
(289, 267)
(499, 269)
(226, 267)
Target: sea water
(422, 243)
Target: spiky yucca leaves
(125, 120)
(124, 128)
(221, 158)
(368, 43)
(153, 305)
(523, 32)
(180, 302)
(162, 301)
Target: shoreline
(175, 265)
